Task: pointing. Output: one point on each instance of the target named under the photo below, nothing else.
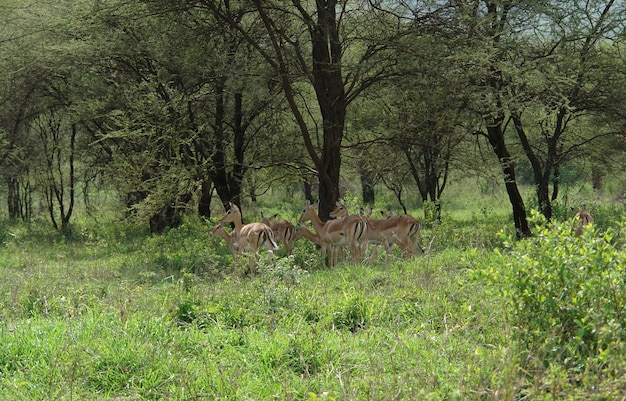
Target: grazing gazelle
(249, 237)
(283, 231)
(402, 229)
(219, 231)
(582, 218)
(303, 232)
(350, 231)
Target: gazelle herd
(355, 232)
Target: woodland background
(167, 106)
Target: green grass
(112, 312)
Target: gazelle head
(340, 210)
(582, 218)
(307, 213)
(218, 230)
(232, 214)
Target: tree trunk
(596, 178)
(367, 187)
(65, 217)
(329, 188)
(226, 188)
(206, 194)
(330, 93)
(308, 191)
(543, 197)
(13, 198)
(496, 139)
(556, 180)
(541, 171)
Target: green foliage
(115, 312)
(565, 299)
(120, 313)
(354, 314)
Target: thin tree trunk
(496, 139)
(367, 187)
(206, 194)
(13, 197)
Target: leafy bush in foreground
(566, 299)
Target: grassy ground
(111, 312)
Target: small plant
(284, 270)
(354, 315)
(186, 313)
(325, 396)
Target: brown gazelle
(249, 237)
(335, 233)
(402, 229)
(408, 233)
(219, 231)
(283, 231)
(582, 218)
(381, 232)
(303, 232)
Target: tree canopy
(171, 103)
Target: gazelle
(219, 231)
(334, 233)
(408, 233)
(582, 218)
(249, 237)
(379, 232)
(303, 232)
(402, 229)
(283, 231)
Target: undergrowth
(116, 313)
(565, 300)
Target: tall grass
(112, 312)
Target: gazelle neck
(237, 222)
(316, 221)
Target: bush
(565, 297)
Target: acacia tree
(484, 27)
(572, 75)
(534, 70)
(143, 130)
(15, 145)
(310, 41)
(237, 111)
(179, 113)
(431, 122)
(40, 124)
(56, 174)
(20, 85)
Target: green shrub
(565, 296)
